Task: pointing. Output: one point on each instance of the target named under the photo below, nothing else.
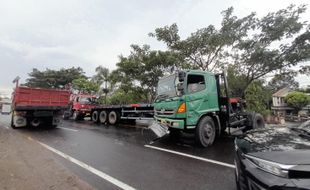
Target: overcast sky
(87, 33)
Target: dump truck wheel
(258, 121)
(113, 117)
(205, 132)
(12, 121)
(103, 117)
(94, 117)
(255, 121)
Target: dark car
(273, 158)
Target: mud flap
(154, 132)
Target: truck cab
(81, 105)
(180, 104)
(197, 101)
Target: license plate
(159, 130)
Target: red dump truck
(37, 106)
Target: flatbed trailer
(113, 114)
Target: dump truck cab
(197, 101)
(181, 103)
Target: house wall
(278, 101)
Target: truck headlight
(270, 167)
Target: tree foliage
(297, 100)
(84, 85)
(283, 80)
(254, 46)
(206, 48)
(276, 43)
(53, 78)
(141, 70)
(258, 98)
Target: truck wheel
(255, 121)
(94, 116)
(205, 132)
(258, 121)
(76, 116)
(12, 121)
(113, 117)
(103, 117)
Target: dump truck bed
(26, 98)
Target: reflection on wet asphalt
(119, 151)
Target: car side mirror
(181, 76)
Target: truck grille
(164, 112)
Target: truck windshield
(167, 87)
(88, 100)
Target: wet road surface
(120, 152)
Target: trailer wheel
(113, 117)
(103, 117)
(94, 116)
(205, 132)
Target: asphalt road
(124, 153)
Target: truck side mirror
(181, 76)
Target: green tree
(142, 70)
(258, 98)
(102, 78)
(53, 78)
(206, 48)
(254, 46)
(277, 42)
(297, 100)
(85, 86)
(283, 80)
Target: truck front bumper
(173, 123)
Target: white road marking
(88, 167)
(192, 156)
(68, 129)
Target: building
(279, 107)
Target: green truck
(197, 102)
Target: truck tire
(94, 117)
(113, 117)
(12, 121)
(205, 132)
(255, 121)
(103, 117)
